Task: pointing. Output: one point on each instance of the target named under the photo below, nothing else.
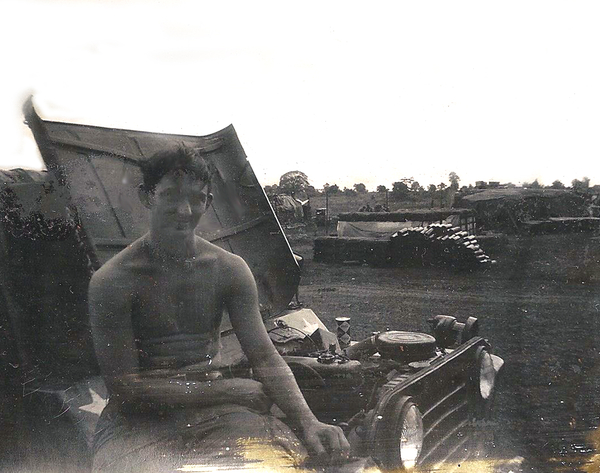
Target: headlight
(396, 433)
(411, 438)
(487, 375)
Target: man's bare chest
(187, 300)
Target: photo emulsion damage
(162, 312)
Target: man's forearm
(280, 384)
(136, 389)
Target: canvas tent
(381, 225)
(287, 208)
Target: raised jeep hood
(100, 169)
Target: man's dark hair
(180, 158)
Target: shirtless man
(156, 310)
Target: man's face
(177, 204)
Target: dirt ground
(540, 308)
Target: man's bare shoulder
(232, 268)
(224, 258)
(123, 267)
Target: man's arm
(268, 366)
(110, 300)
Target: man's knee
(249, 427)
(245, 424)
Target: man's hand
(326, 441)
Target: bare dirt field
(540, 308)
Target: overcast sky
(344, 91)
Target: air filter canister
(406, 346)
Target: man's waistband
(212, 375)
(203, 375)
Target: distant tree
(532, 185)
(272, 190)
(360, 188)
(293, 182)
(416, 187)
(441, 186)
(381, 188)
(557, 185)
(454, 180)
(348, 191)
(399, 189)
(408, 181)
(311, 191)
(331, 189)
(431, 190)
(582, 185)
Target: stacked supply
(438, 244)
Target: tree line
(296, 182)
(576, 184)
